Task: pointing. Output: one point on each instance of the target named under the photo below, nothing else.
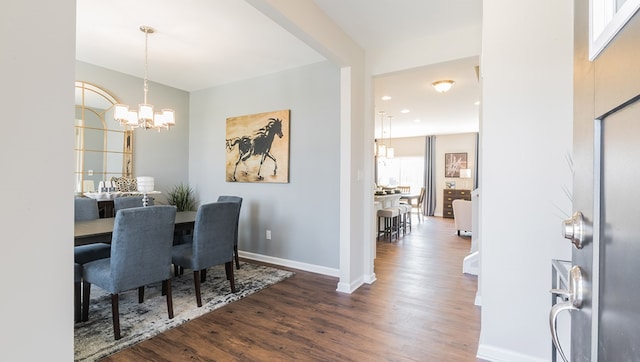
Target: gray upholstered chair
(120, 203)
(140, 255)
(85, 209)
(213, 238)
(238, 200)
(77, 279)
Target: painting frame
(453, 163)
(257, 147)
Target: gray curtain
(476, 174)
(429, 205)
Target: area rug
(138, 322)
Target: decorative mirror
(102, 148)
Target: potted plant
(182, 196)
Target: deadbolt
(577, 230)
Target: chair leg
(77, 303)
(140, 294)
(228, 268)
(166, 285)
(115, 315)
(196, 282)
(235, 252)
(86, 291)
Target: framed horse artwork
(258, 147)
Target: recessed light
(477, 103)
(385, 98)
(405, 111)
(416, 121)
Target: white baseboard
(290, 263)
(470, 263)
(342, 287)
(478, 300)
(495, 354)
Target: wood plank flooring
(420, 309)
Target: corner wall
(303, 215)
(526, 129)
(36, 143)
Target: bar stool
(390, 216)
(405, 217)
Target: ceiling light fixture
(443, 86)
(385, 98)
(144, 117)
(405, 111)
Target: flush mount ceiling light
(144, 117)
(443, 86)
(385, 98)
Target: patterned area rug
(94, 338)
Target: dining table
(100, 230)
(387, 200)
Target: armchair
(462, 215)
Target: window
(406, 171)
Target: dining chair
(77, 280)
(140, 255)
(127, 202)
(212, 244)
(238, 200)
(86, 209)
(419, 206)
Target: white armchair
(462, 215)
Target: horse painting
(257, 145)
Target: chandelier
(144, 117)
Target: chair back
(141, 246)
(120, 203)
(404, 189)
(214, 234)
(462, 214)
(421, 197)
(85, 208)
(237, 200)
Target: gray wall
(163, 155)
(302, 214)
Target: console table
(449, 196)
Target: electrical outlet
(268, 236)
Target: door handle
(575, 296)
(577, 230)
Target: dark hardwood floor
(420, 309)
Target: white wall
(36, 143)
(527, 73)
(303, 215)
(162, 155)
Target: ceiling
(202, 43)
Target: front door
(606, 327)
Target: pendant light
(144, 117)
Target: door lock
(577, 230)
(575, 296)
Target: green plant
(182, 196)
